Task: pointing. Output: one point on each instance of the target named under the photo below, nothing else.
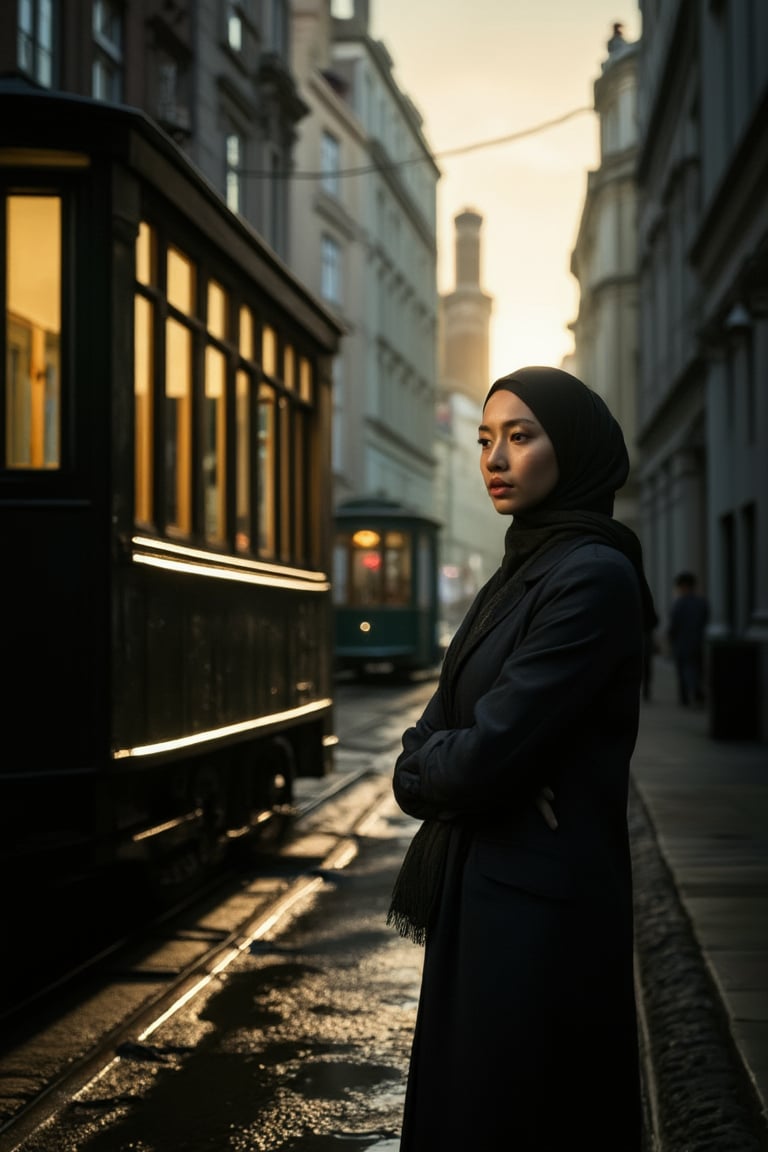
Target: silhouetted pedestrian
(688, 619)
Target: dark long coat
(526, 1036)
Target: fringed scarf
(593, 464)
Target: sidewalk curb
(701, 1097)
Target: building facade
(364, 239)
(214, 75)
(702, 420)
(604, 260)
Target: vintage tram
(165, 511)
(385, 588)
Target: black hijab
(593, 464)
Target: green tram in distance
(385, 588)
(165, 510)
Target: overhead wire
(460, 150)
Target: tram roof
(379, 507)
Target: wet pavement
(302, 1043)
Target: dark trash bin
(733, 695)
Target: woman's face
(517, 459)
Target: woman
(520, 875)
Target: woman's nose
(496, 457)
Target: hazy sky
(478, 70)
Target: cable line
(461, 150)
(523, 132)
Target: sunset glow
(492, 69)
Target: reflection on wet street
(301, 1045)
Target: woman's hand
(543, 800)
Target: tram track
(70, 1041)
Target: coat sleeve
(585, 628)
(414, 739)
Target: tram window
(181, 282)
(397, 568)
(217, 310)
(266, 474)
(289, 475)
(301, 474)
(305, 380)
(214, 446)
(243, 436)
(33, 332)
(269, 350)
(366, 576)
(425, 572)
(146, 255)
(178, 394)
(178, 426)
(289, 367)
(144, 390)
(245, 344)
(242, 462)
(380, 569)
(340, 569)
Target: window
(289, 367)
(35, 45)
(242, 461)
(278, 40)
(330, 270)
(178, 427)
(379, 568)
(107, 80)
(224, 410)
(305, 380)
(181, 274)
(243, 454)
(234, 176)
(33, 332)
(172, 97)
(288, 478)
(266, 471)
(214, 418)
(329, 164)
(144, 379)
(269, 350)
(234, 28)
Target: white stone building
(604, 260)
(364, 239)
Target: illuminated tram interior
(165, 498)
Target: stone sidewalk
(700, 840)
